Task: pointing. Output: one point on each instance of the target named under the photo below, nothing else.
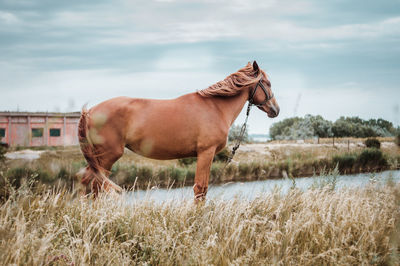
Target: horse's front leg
(204, 161)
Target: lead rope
(201, 196)
(240, 138)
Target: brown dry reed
(315, 227)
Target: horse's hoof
(199, 198)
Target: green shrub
(16, 175)
(345, 162)
(244, 169)
(3, 151)
(63, 174)
(216, 172)
(190, 174)
(130, 175)
(77, 165)
(372, 157)
(145, 172)
(286, 165)
(255, 169)
(2, 154)
(231, 170)
(115, 169)
(65, 178)
(45, 177)
(398, 139)
(177, 174)
(372, 143)
(221, 156)
(187, 161)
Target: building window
(55, 132)
(2, 132)
(37, 132)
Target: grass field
(320, 226)
(44, 221)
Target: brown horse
(195, 124)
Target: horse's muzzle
(273, 111)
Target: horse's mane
(234, 83)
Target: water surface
(252, 189)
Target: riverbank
(272, 160)
(319, 226)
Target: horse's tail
(93, 177)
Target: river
(250, 190)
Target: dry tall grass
(318, 226)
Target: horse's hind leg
(107, 160)
(101, 144)
(96, 180)
(204, 161)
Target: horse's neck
(231, 106)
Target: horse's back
(159, 129)
(163, 129)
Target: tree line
(316, 126)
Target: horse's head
(261, 94)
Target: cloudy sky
(333, 58)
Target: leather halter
(267, 98)
(250, 104)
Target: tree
(234, 134)
(321, 128)
(301, 128)
(359, 128)
(281, 129)
(346, 127)
(317, 126)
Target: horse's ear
(255, 66)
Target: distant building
(39, 129)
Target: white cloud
(238, 21)
(127, 23)
(184, 60)
(8, 18)
(45, 90)
(281, 30)
(65, 37)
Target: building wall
(55, 123)
(4, 125)
(20, 129)
(35, 122)
(71, 136)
